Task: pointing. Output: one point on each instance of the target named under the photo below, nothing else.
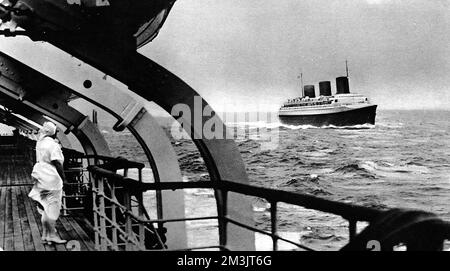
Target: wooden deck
(20, 223)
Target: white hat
(48, 129)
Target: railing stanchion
(352, 228)
(128, 222)
(221, 199)
(113, 217)
(95, 208)
(132, 228)
(273, 220)
(139, 198)
(101, 189)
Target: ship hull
(351, 117)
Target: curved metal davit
(131, 114)
(114, 53)
(29, 121)
(29, 93)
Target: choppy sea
(401, 161)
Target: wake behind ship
(342, 109)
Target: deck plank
(39, 224)
(72, 234)
(61, 233)
(20, 222)
(81, 233)
(28, 240)
(35, 232)
(9, 231)
(17, 227)
(86, 226)
(2, 215)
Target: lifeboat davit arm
(107, 38)
(44, 97)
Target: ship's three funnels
(342, 87)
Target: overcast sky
(247, 54)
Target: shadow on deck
(20, 223)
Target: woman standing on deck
(49, 177)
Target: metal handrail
(352, 213)
(345, 210)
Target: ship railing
(77, 189)
(121, 221)
(107, 183)
(18, 148)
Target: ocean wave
(209, 193)
(352, 127)
(372, 201)
(349, 127)
(382, 167)
(390, 125)
(255, 124)
(321, 233)
(192, 162)
(389, 167)
(307, 184)
(350, 168)
(273, 125)
(133, 173)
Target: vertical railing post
(113, 217)
(95, 209)
(141, 207)
(64, 204)
(352, 228)
(221, 198)
(128, 221)
(274, 228)
(102, 210)
(139, 198)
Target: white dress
(47, 189)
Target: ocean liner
(342, 109)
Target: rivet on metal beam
(87, 83)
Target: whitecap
(391, 168)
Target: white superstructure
(324, 104)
